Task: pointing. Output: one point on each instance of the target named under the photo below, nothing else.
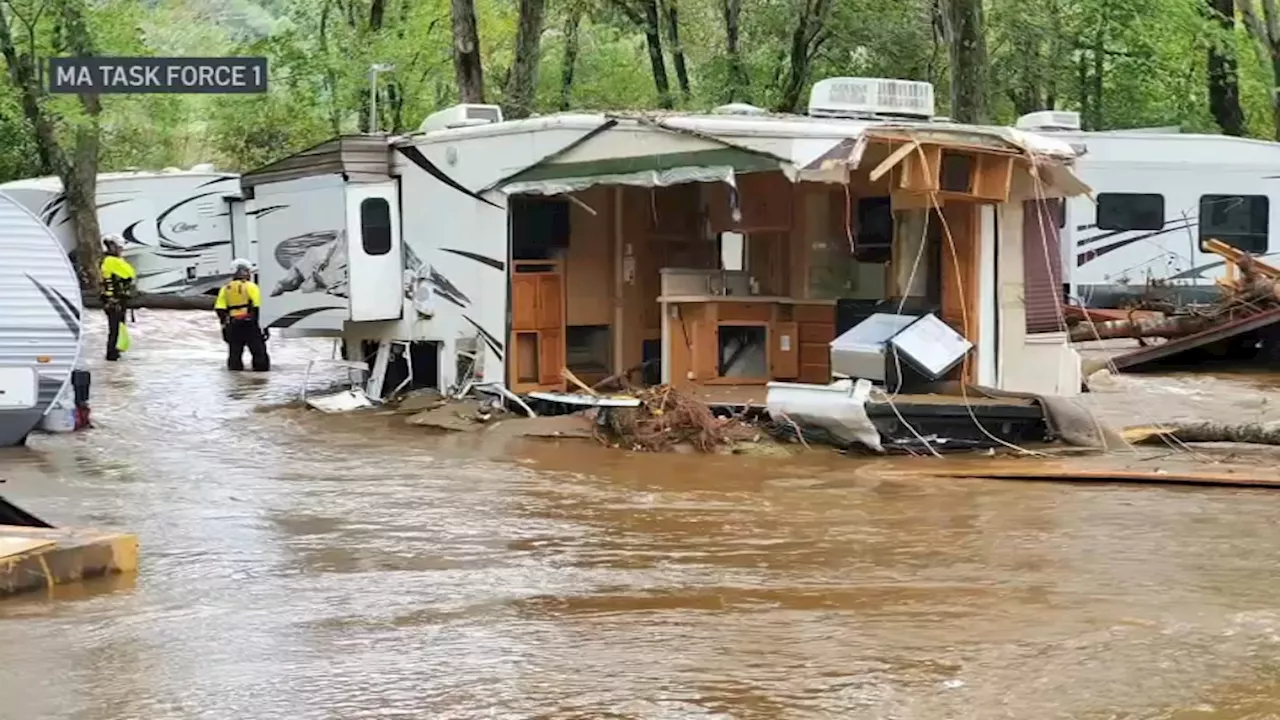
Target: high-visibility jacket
(239, 299)
(118, 277)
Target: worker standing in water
(117, 279)
(238, 304)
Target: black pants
(246, 333)
(115, 316)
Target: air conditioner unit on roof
(870, 98)
(462, 115)
(1049, 120)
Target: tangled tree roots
(668, 417)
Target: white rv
(497, 252)
(1158, 194)
(181, 228)
(40, 316)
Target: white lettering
(106, 73)
(153, 76)
(171, 75)
(189, 75)
(73, 75)
(206, 76)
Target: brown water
(305, 566)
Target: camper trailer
(40, 311)
(1158, 196)
(179, 227)
(497, 253)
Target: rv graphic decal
(315, 262)
(68, 312)
(266, 210)
(494, 344)
(446, 289)
(165, 240)
(1089, 255)
(100, 206)
(416, 157)
(297, 316)
(495, 264)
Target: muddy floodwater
(300, 566)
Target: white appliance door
(376, 265)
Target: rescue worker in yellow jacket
(117, 281)
(238, 305)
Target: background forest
(1203, 65)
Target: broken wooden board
(11, 545)
(1252, 477)
(64, 555)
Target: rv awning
(570, 173)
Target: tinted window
(1238, 220)
(1129, 211)
(375, 226)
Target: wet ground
(302, 566)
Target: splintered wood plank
(1148, 477)
(11, 545)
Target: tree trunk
(653, 39)
(1203, 432)
(1171, 327)
(570, 60)
(807, 38)
(967, 49)
(677, 49)
(467, 64)
(523, 82)
(1224, 86)
(78, 173)
(739, 83)
(1099, 61)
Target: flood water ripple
(296, 565)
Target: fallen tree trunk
(1172, 327)
(1201, 432)
(162, 302)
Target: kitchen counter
(766, 299)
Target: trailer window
(1237, 220)
(1130, 211)
(375, 226)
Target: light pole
(373, 93)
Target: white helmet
(112, 239)
(241, 264)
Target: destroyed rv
(722, 254)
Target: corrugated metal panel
(362, 158)
(40, 304)
(1042, 265)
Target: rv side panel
(302, 253)
(40, 321)
(456, 245)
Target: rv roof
(778, 126)
(53, 183)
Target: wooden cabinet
(784, 353)
(763, 198)
(537, 331)
(816, 328)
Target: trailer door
(376, 267)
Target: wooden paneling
(524, 302)
(743, 311)
(589, 272)
(674, 210)
(550, 301)
(550, 356)
(769, 262)
(784, 351)
(815, 314)
(765, 200)
(960, 277)
(635, 292)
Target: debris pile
(668, 417)
(1248, 289)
